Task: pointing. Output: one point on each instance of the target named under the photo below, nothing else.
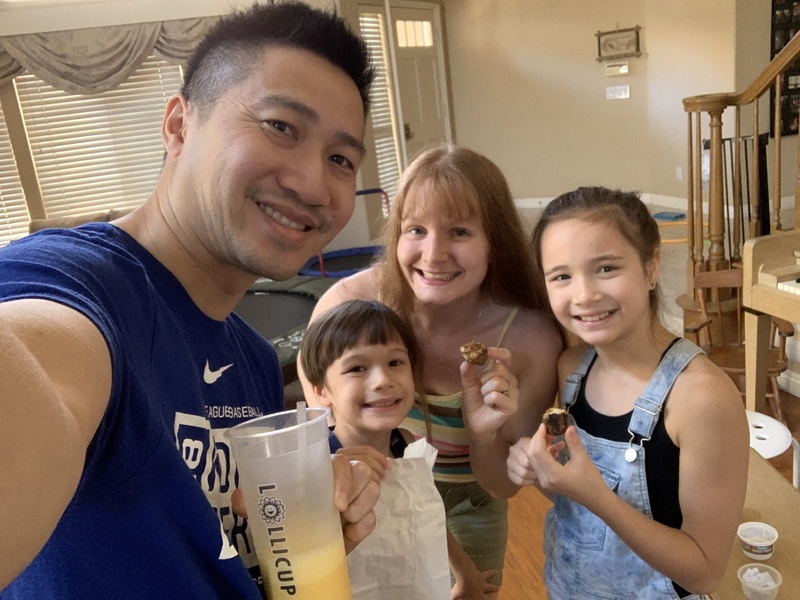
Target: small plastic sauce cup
(759, 581)
(758, 540)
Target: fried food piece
(475, 353)
(555, 421)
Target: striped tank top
(449, 435)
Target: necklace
(478, 324)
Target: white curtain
(96, 60)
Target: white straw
(301, 419)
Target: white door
(421, 86)
(410, 103)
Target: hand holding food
(491, 393)
(556, 421)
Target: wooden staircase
(724, 213)
(705, 121)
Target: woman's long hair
(462, 183)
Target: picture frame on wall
(620, 43)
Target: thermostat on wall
(617, 68)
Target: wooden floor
(522, 575)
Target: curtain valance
(95, 60)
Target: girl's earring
(652, 285)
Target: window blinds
(13, 210)
(381, 108)
(102, 151)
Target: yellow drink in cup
(320, 573)
(285, 473)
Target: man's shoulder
(88, 260)
(84, 243)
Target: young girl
(360, 358)
(648, 503)
(457, 269)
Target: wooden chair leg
(775, 399)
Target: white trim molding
(649, 199)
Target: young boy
(360, 357)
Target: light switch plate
(618, 92)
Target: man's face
(269, 174)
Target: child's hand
(474, 586)
(491, 396)
(355, 497)
(578, 479)
(520, 470)
(377, 462)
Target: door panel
(410, 83)
(418, 60)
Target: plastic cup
(759, 581)
(285, 473)
(758, 540)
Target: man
(122, 365)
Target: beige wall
(528, 92)
(752, 39)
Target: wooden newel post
(716, 200)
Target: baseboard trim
(673, 202)
(789, 381)
(650, 199)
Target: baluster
(755, 222)
(736, 242)
(699, 259)
(776, 163)
(694, 174)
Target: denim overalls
(584, 557)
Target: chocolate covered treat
(475, 353)
(556, 421)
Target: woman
(458, 269)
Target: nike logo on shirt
(210, 376)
